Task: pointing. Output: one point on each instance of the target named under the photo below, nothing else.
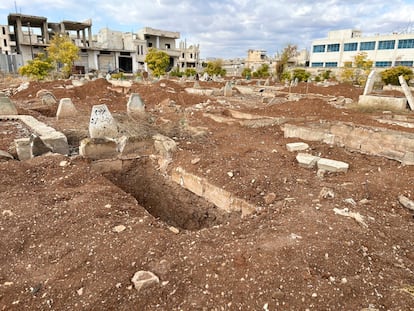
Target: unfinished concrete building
(107, 51)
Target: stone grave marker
(407, 92)
(66, 109)
(369, 85)
(228, 89)
(135, 104)
(102, 124)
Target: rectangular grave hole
(166, 200)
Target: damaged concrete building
(26, 36)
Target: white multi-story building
(341, 46)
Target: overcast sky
(228, 28)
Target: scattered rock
(306, 160)
(118, 228)
(406, 202)
(174, 230)
(269, 198)
(326, 193)
(195, 161)
(332, 165)
(144, 279)
(5, 156)
(297, 146)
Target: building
(107, 51)
(339, 49)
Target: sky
(229, 28)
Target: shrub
(390, 76)
(246, 73)
(38, 68)
(190, 72)
(262, 72)
(300, 74)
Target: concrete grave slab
(297, 146)
(7, 107)
(332, 165)
(307, 160)
(398, 103)
(102, 124)
(98, 148)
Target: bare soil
(60, 250)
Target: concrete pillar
(90, 36)
(157, 44)
(84, 37)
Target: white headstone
(102, 124)
(135, 104)
(66, 109)
(369, 85)
(407, 92)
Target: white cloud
(228, 28)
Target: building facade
(108, 51)
(341, 46)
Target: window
(331, 64)
(318, 48)
(142, 50)
(4, 42)
(317, 64)
(125, 53)
(351, 46)
(386, 45)
(406, 44)
(407, 63)
(333, 47)
(4, 30)
(191, 55)
(365, 46)
(138, 49)
(383, 64)
(167, 46)
(149, 44)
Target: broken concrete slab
(144, 279)
(332, 165)
(7, 107)
(134, 145)
(98, 148)
(66, 109)
(37, 146)
(164, 145)
(407, 92)
(307, 160)
(102, 124)
(300, 146)
(56, 140)
(395, 103)
(5, 156)
(135, 104)
(228, 89)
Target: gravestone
(407, 92)
(135, 104)
(66, 109)
(369, 85)
(196, 84)
(267, 82)
(228, 89)
(102, 124)
(7, 106)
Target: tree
(38, 68)
(390, 76)
(357, 72)
(283, 59)
(157, 61)
(300, 74)
(262, 72)
(63, 53)
(215, 68)
(246, 73)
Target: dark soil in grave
(59, 249)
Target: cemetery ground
(74, 231)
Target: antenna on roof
(15, 6)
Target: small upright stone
(66, 109)
(135, 104)
(228, 92)
(102, 124)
